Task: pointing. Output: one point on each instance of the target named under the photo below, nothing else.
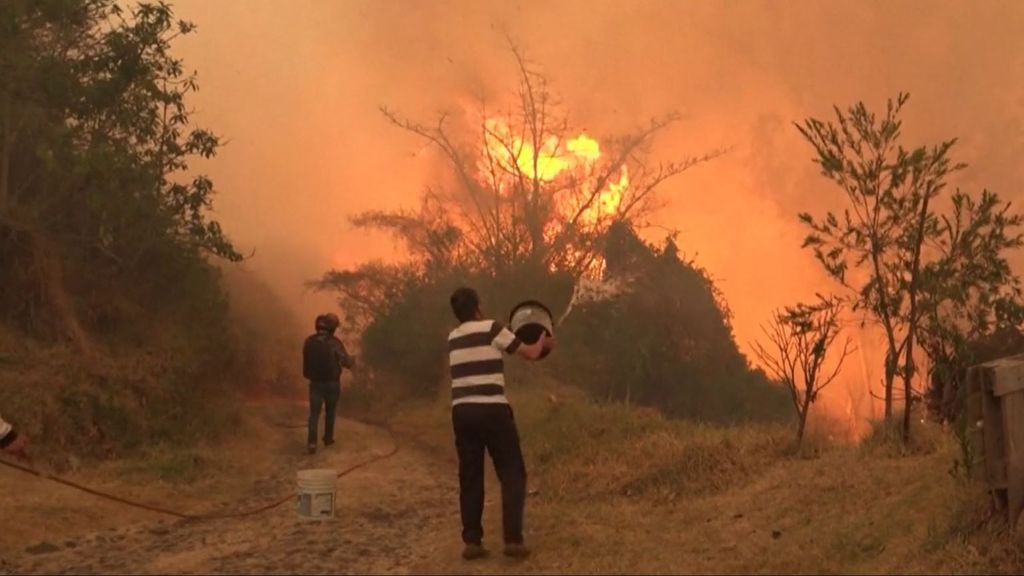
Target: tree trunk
(908, 362)
(801, 427)
(804, 411)
(890, 377)
(883, 299)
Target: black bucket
(529, 320)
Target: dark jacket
(341, 355)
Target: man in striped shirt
(482, 419)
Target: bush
(407, 342)
(665, 342)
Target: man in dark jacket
(323, 358)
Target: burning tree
(528, 192)
(800, 339)
(527, 205)
(525, 193)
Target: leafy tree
(972, 294)
(106, 237)
(875, 246)
(932, 280)
(95, 143)
(800, 340)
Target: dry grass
(190, 479)
(619, 490)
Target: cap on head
(327, 322)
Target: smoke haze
(295, 86)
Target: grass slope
(615, 490)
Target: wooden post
(1013, 416)
(1008, 388)
(995, 450)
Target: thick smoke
(295, 87)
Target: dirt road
(832, 514)
(389, 519)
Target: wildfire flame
(555, 157)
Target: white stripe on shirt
(481, 400)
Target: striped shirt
(477, 367)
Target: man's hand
(534, 351)
(18, 448)
(547, 342)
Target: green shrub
(665, 342)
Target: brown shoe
(474, 552)
(516, 550)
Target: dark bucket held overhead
(529, 320)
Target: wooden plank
(1009, 377)
(1013, 419)
(1003, 361)
(995, 448)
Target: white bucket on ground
(316, 495)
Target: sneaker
(312, 448)
(328, 442)
(516, 550)
(474, 552)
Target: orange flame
(554, 157)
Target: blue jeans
(322, 394)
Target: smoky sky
(294, 87)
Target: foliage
(911, 269)
(404, 343)
(94, 148)
(665, 342)
(972, 294)
(108, 294)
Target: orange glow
(555, 157)
(609, 201)
(736, 214)
(586, 147)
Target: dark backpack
(320, 362)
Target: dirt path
(388, 518)
(833, 514)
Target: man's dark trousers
(322, 394)
(490, 427)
